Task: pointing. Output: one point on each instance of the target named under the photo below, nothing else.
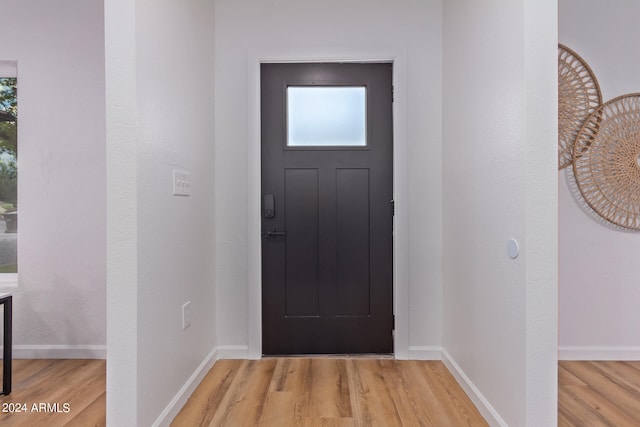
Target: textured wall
(359, 26)
(499, 183)
(60, 298)
(159, 118)
(599, 285)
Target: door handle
(272, 234)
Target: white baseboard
(59, 351)
(425, 353)
(598, 353)
(486, 409)
(185, 392)
(233, 352)
(179, 400)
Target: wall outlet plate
(186, 315)
(181, 183)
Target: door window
(326, 116)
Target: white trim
(8, 281)
(185, 392)
(254, 273)
(59, 351)
(486, 409)
(182, 396)
(621, 353)
(233, 352)
(8, 68)
(398, 57)
(425, 353)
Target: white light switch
(181, 183)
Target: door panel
(352, 245)
(301, 260)
(327, 250)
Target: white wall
(122, 218)
(599, 286)
(292, 26)
(59, 303)
(499, 154)
(161, 53)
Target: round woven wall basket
(606, 161)
(578, 96)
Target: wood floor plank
(635, 364)
(93, 415)
(294, 375)
(310, 392)
(329, 390)
(607, 412)
(333, 392)
(607, 385)
(599, 393)
(567, 378)
(200, 408)
(280, 375)
(329, 422)
(369, 393)
(622, 373)
(279, 409)
(57, 393)
(576, 412)
(590, 394)
(412, 397)
(54, 370)
(459, 408)
(248, 395)
(25, 372)
(563, 421)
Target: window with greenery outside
(8, 175)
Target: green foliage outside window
(8, 145)
(8, 174)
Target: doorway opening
(396, 57)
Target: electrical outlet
(186, 315)
(181, 183)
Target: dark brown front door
(327, 210)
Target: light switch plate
(181, 183)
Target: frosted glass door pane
(326, 116)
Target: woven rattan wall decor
(578, 96)
(606, 161)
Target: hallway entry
(327, 208)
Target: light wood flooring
(593, 394)
(79, 383)
(321, 392)
(338, 392)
